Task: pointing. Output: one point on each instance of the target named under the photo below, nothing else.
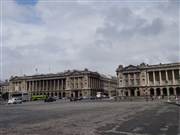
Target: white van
(14, 101)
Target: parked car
(73, 99)
(14, 101)
(92, 97)
(56, 97)
(64, 98)
(49, 99)
(85, 97)
(79, 98)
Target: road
(90, 118)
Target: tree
(5, 96)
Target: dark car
(92, 97)
(49, 99)
(73, 99)
(79, 98)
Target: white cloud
(94, 35)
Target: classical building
(144, 79)
(4, 87)
(66, 84)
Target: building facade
(66, 84)
(151, 80)
(4, 87)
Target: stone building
(151, 80)
(4, 87)
(66, 84)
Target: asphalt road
(90, 118)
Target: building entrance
(132, 92)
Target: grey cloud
(103, 44)
(9, 52)
(170, 8)
(153, 29)
(96, 36)
(125, 24)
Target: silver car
(14, 101)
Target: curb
(174, 103)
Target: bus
(24, 96)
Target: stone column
(78, 80)
(89, 82)
(92, 86)
(31, 89)
(26, 86)
(161, 92)
(54, 89)
(160, 78)
(155, 93)
(173, 77)
(35, 86)
(47, 85)
(94, 80)
(167, 76)
(36, 89)
(50, 85)
(135, 92)
(129, 81)
(74, 81)
(174, 91)
(62, 83)
(58, 85)
(43, 88)
(134, 77)
(154, 78)
(147, 78)
(168, 93)
(129, 92)
(40, 86)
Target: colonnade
(157, 91)
(163, 77)
(59, 87)
(45, 85)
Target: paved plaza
(90, 118)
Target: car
(49, 99)
(85, 97)
(92, 97)
(73, 99)
(14, 101)
(56, 97)
(79, 98)
(64, 98)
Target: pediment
(131, 67)
(75, 73)
(14, 78)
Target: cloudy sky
(54, 35)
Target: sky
(41, 36)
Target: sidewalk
(172, 102)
